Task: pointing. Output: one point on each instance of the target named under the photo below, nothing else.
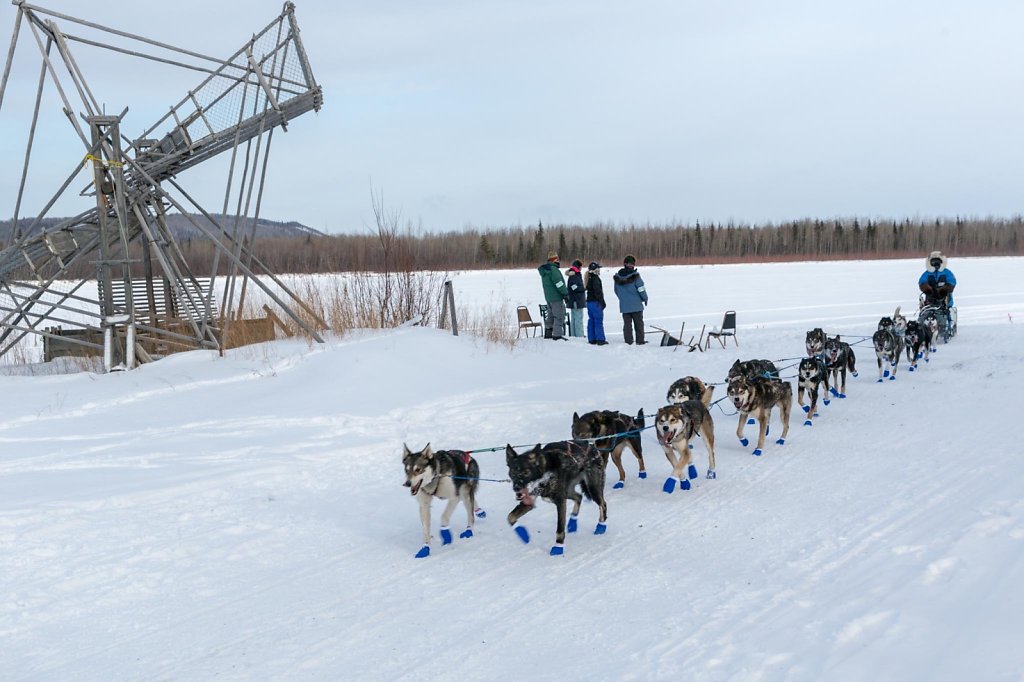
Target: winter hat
(629, 260)
(577, 263)
(552, 255)
(594, 266)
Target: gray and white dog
(450, 475)
(675, 426)
(918, 342)
(758, 397)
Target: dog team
(573, 469)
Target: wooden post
(448, 303)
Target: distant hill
(182, 228)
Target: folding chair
(525, 321)
(544, 315)
(727, 329)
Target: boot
(547, 333)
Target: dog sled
(944, 316)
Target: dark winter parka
(577, 294)
(595, 289)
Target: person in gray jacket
(632, 295)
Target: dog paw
(466, 534)
(892, 378)
(643, 474)
(834, 392)
(711, 474)
(750, 420)
(744, 442)
(826, 402)
(600, 529)
(842, 395)
(692, 471)
(808, 422)
(855, 374)
(571, 526)
(619, 485)
(815, 414)
(424, 552)
(446, 536)
(523, 534)
(684, 484)
(806, 408)
(781, 441)
(557, 550)
(885, 373)
(756, 452)
(670, 485)
(927, 360)
(480, 513)
(910, 369)
(879, 380)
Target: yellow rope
(102, 162)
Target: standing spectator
(556, 296)
(577, 298)
(595, 305)
(629, 288)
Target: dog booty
(523, 534)
(643, 474)
(468, 533)
(781, 441)
(744, 442)
(557, 550)
(692, 471)
(424, 552)
(670, 485)
(684, 484)
(808, 422)
(807, 408)
(757, 452)
(446, 536)
(619, 485)
(571, 526)
(480, 513)
(711, 474)
(600, 529)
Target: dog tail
(640, 419)
(706, 396)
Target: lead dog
(675, 425)
(888, 349)
(918, 336)
(611, 433)
(839, 358)
(689, 388)
(810, 375)
(447, 475)
(553, 472)
(758, 397)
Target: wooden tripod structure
(132, 186)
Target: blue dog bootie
(670, 485)
(424, 552)
(557, 550)
(446, 536)
(523, 534)
(571, 526)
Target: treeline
(711, 243)
(392, 249)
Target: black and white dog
(888, 349)
(918, 336)
(899, 323)
(447, 475)
(810, 375)
(814, 342)
(839, 358)
(752, 369)
(552, 472)
(689, 388)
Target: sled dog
(445, 474)
(917, 337)
(552, 472)
(689, 388)
(752, 369)
(888, 350)
(758, 397)
(814, 342)
(675, 426)
(810, 375)
(899, 323)
(611, 433)
(839, 358)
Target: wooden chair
(722, 333)
(525, 321)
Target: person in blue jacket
(632, 295)
(937, 281)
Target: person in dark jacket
(595, 305)
(632, 295)
(577, 298)
(556, 296)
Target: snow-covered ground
(244, 518)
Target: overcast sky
(505, 113)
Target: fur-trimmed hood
(928, 262)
